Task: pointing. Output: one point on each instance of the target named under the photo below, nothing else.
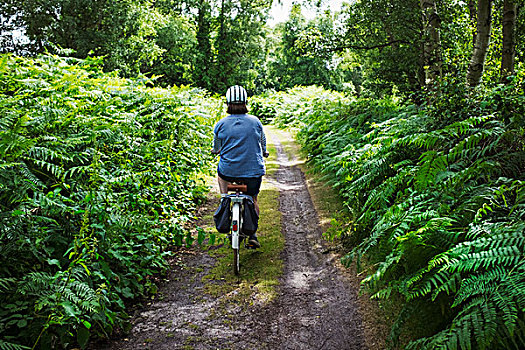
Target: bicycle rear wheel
(236, 232)
(236, 264)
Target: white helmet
(236, 95)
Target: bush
(98, 176)
(436, 197)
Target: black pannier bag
(223, 216)
(250, 218)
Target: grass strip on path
(261, 268)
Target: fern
(436, 205)
(6, 283)
(4, 345)
(91, 171)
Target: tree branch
(372, 47)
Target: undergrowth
(436, 197)
(98, 175)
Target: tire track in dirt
(316, 307)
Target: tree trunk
(222, 49)
(203, 57)
(509, 39)
(432, 59)
(479, 54)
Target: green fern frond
(369, 171)
(8, 120)
(502, 282)
(467, 146)
(34, 282)
(503, 256)
(5, 345)
(501, 235)
(78, 170)
(372, 280)
(6, 283)
(383, 293)
(51, 168)
(47, 154)
(380, 195)
(476, 324)
(464, 126)
(29, 176)
(431, 163)
(8, 165)
(83, 291)
(421, 140)
(449, 286)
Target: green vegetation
(426, 152)
(98, 176)
(416, 119)
(435, 201)
(179, 42)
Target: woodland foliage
(210, 43)
(436, 203)
(98, 176)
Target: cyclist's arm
(217, 144)
(263, 144)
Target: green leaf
(189, 239)
(53, 262)
(212, 239)
(83, 337)
(126, 293)
(69, 308)
(201, 235)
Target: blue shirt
(240, 140)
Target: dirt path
(316, 307)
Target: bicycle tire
(236, 263)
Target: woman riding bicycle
(240, 141)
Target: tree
(303, 56)
(203, 56)
(387, 35)
(432, 42)
(483, 28)
(509, 38)
(120, 30)
(239, 42)
(176, 38)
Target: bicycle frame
(236, 219)
(237, 200)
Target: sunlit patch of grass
(271, 161)
(287, 141)
(261, 268)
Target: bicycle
(237, 236)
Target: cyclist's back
(239, 139)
